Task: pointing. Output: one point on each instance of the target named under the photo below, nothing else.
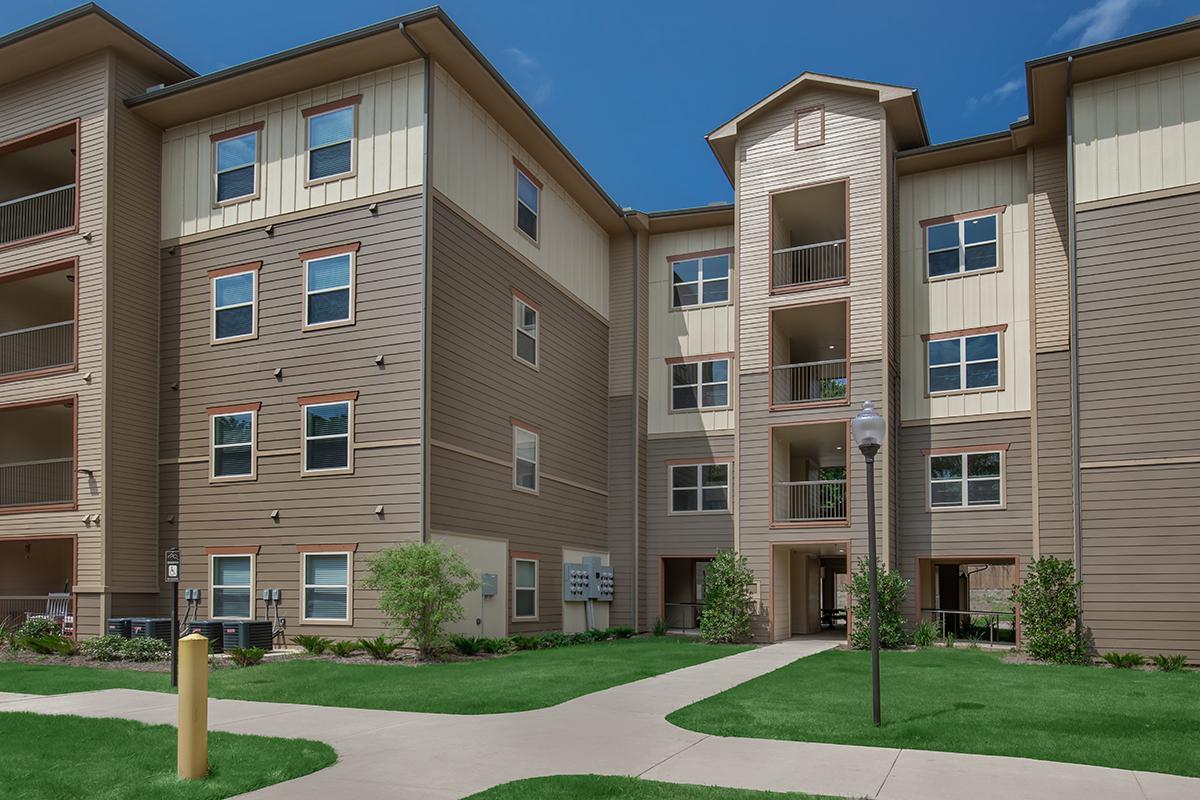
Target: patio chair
(58, 607)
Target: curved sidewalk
(618, 731)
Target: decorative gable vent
(809, 126)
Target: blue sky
(632, 88)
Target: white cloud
(999, 94)
(534, 82)
(1096, 23)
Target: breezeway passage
(619, 731)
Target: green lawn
(601, 787)
(519, 682)
(54, 757)
(970, 701)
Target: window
(329, 290)
(525, 331)
(699, 488)
(964, 362)
(965, 480)
(962, 246)
(700, 281)
(233, 297)
(529, 196)
(525, 595)
(326, 587)
(327, 437)
(236, 167)
(232, 445)
(232, 586)
(525, 459)
(700, 384)
(331, 143)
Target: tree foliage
(728, 605)
(892, 589)
(1049, 602)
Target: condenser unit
(150, 628)
(117, 626)
(246, 633)
(213, 631)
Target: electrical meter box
(118, 626)
(590, 580)
(602, 583)
(575, 582)
(489, 584)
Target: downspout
(635, 427)
(426, 265)
(1077, 491)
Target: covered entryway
(969, 597)
(682, 592)
(809, 583)
(31, 570)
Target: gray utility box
(150, 628)
(590, 580)
(246, 633)
(213, 631)
(117, 626)
(602, 583)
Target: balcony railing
(35, 214)
(37, 483)
(810, 501)
(809, 263)
(811, 382)
(40, 347)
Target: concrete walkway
(619, 731)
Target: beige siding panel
(971, 301)
(690, 332)
(473, 167)
(1137, 132)
(1051, 280)
(1056, 517)
(388, 152)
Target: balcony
(808, 355)
(37, 321)
(808, 466)
(37, 464)
(37, 185)
(35, 573)
(808, 237)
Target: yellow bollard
(192, 756)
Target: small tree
(728, 605)
(1049, 603)
(421, 586)
(892, 589)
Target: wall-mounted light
(87, 377)
(379, 511)
(379, 360)
(278, 373)
(275, 514)
(172, 251)
(175, 386)
(85, 471)
(373, 208)
(270, 230)
(170, 519)
(87, 237)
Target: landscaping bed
(605, 787)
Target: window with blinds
(327, 587)
(327, 437)
(331, 144)
(232, 586)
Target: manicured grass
(54, 757)
(969, 701)
(519, 682)
(603, 787)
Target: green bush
(246, 656)
(620, 632)
(553, 639)
(38, 627)
(660, 627)
(523, 641)
(925, 634)
(103, 648)
(1124, 660)
(145, 649)
(466, 645)
(501, 645)
(344, 649)
(728, 605)
(421, 585)
(49, 645)
(379, 648)
(1049, 602)
(892, 589)
(315, 645)
(1174, 663)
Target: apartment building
(293, 312)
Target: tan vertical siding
(1056, 516)
(1051, 283)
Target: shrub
(499, 646)
(466, 645)
(103, 648)
(145, 649)
(728, 605)
(421, 586)
(1165, 663)
(526, 642)
(38, 627)
(246, 656)
(315, 645)
(379, 647)
(1124, 660)
(925, 634)
(621, 632)
(660, 627)
(553, 639)
(1049, 603)
(891, 590)
(50, 645)
(579, 637)
(344, 649)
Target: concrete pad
(1157, 786)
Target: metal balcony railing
(35, 214)
(40, 347)
(809, 263)
(36, 483)
(811, 382)
(810, 501)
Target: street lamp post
(868, 429)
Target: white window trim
(518, 305)
(333, 323)
(212, 572)
(700, 489)
(537, 213)
(353, 140)
(253, 334)
(242, 198)
(304, 438)
(700, 281)
(965, 480)
(962, 365)
(962, 247)
(213, 477)
(536, 592)
(305, 586)
(700, 384)
(537, 463)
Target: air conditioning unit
(117, 626)
(150, 628)
(211, 630)
(246, 633)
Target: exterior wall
(483, 616)
(968, 301)
(388, 149)
(1055, 485)
(196, 375)
(473, 167)
(1051, 281)
(687, 332)
(478, 387)
(1137, 132)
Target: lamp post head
(868, 429)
